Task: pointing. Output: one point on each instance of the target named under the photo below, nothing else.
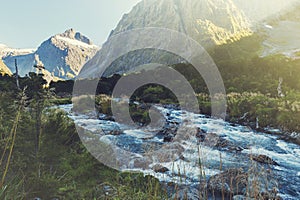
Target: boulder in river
(160, 169)
(263, 159)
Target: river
(226, 146)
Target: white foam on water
(139, 134)
(187, 170)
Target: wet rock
(223, 143)
(168, 132)
(230, 182)
(115, 132)
(215, 141)
(142, 163)
(181, 157)
(160, 169)
(236, 148)
(200, 135)
(168, 138)
(291, 137)
(263, 159)
(105, 117)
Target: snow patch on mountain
(6, 51)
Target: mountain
(258, 11)
(6, 51)
(283, 34)
(210, 22)
(4, 69)
(207, 21)
(62, 55)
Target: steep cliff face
(207, 21)
(62, 55)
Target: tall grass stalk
(10, 143)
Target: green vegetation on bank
(42, 155)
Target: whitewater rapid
(187, 171)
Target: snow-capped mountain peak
(62, 55)
(9, 51)
(72, 34)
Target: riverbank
(175, 160)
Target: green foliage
(62, 168)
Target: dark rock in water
(105, 117)
(223, 143)
(115, 132)
(168, 138)
(236, 148)
(200, 135)
(263, 159)
(160, 169)
(219, 142)
(230, 182)
(181, 157)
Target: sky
(27, 23)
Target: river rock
(263, 159)
(115, 132)
(168, 138)
(160, 169)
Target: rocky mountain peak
(207, 21)
(62, 56)
(72, 34)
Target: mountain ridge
(62, 56)
(209, 22)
